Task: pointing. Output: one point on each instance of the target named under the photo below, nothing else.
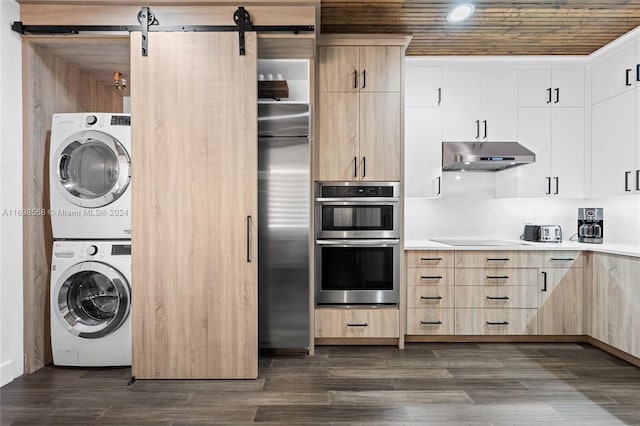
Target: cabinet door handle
(497, 297)
(637, 180)
(364, 79)
(431, 322)
(364, 166)
(485, 128)
(355, 79)
(557, 180)
(439, 185)
(357, 324)
(549, 95)
(355, 167)
(497, 277)
(477, 129)
(496, 259)
(544, 281)
(498, 323)
(557, 90)
(431, 297)
(440, 94)
(628, 77)
(548, 185)
(638, 72)
(248, 239)
(626, 181)
(430, 277)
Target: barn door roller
(149, 23)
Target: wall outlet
(528, 217)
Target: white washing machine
(89, 176)
(91, 303)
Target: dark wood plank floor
(453, 383)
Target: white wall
(11, 318)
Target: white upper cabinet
(480, 103)
(615, 72)
(424, 86)
(614, 145)
(558, 86)
(423, 152)
(556, 136)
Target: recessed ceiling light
(460, 12)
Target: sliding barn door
(194, 189)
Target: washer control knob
(92, 250)
(91, 120)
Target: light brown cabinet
(560, 299)
(430, 292)
(496, 292)
(616, 301)
(356, 323)
(360, 115)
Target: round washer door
(92, 169)
(92, 300)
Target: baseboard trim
(613, 351)
(387, 341)
(492, 339)
(7, 373)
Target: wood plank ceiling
(498, 27)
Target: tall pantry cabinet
(359, 108)
(194, 206)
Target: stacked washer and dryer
(91, 221)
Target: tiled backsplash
(505, 218)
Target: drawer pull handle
(497, 277)
(430, 322)
(431, 297)
(498, 323)
(357, 324)
(431, 277)
(498, 297)
(497, 259)
(430, 258)
(563, 259)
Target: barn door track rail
(149, 23)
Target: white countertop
(621, 249)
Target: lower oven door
(351, 272)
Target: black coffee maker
(590, 225)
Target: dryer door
(92, 169)
(92, 299)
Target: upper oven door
(357, 219)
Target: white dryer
(89, 176)
(91, 303)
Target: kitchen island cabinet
(360, 110)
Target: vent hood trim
(484, 156)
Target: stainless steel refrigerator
(283, 226)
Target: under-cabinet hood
(484, 156)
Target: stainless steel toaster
(543, 233)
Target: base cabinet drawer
(430, 276)
(496, 321)
(497, 259)
(430, 296)
(330, 322)
(430, 321)
(439, 259)
(496, 276)
(519, 296)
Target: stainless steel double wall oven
(357, 253)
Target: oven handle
(383, 242)
(358, 200)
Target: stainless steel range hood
(484, 156)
